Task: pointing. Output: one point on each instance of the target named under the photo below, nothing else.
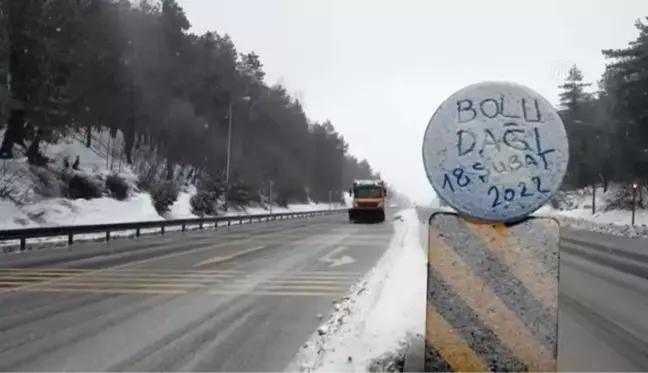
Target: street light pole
(271, 196)
(634, 201)
(229, 154)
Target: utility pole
(271, 196)
(229, 154)
(230, 114)
(329, 195)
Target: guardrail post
(495, 152)
(70, 239)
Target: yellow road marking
(43, 270)
(478, 296)
(450, 345)
(227, 258)
(196, 276)
(206, 278)
(110, 291)
(128, 285)
(286, 287)
(179, 291)
(103, 281)
(524, 267)
(30, 278)
(317, 281)
(276, 293)
(171, 255)
(178, 272)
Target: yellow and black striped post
(492, 295)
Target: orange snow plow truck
(369, 201)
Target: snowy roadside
(370, 326)
(22, 207)
(614, 222)
(137, 208)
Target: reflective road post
(495, 152)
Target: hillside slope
(160, 110)
(36, 196)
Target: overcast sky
(378, 69)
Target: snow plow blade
(366, 215)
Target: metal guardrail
(24, 234)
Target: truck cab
(369, 201)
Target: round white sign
(495, 151)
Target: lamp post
(634, 199)
(229, 149)
(271, 195)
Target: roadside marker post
(495, 152)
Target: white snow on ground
(139, 207)
(26, 209)
(59, 211)
(102, 158)
(181, 209)
(579, 215)
(378, 314)
(616, 222)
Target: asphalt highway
(603, 301)
(239, 300)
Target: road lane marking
(278, 293)
(127, 285)
(109, 291)
(183, 291)
(164, 291)
(336, 262)
(194, 273)
(222, 259)
(125, 281)
(167, 256)
(149, 282)
(43, 270)
(263, 286)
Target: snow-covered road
(379, 313)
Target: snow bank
(102, 158)
(577, 214)
(181, 208)
(139, 207)
(377, 316)
(59, 211)
(616, 222)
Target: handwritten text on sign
(495, 151)
(502, 149)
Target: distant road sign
(495, 151)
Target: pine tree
(627, 82)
